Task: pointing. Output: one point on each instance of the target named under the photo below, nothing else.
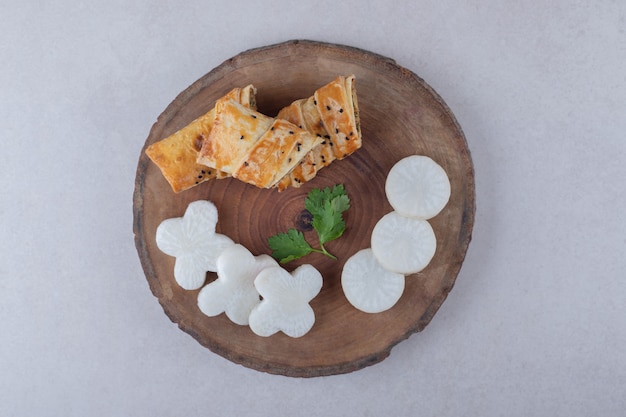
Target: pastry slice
(176, 155)
(304, 113)
(337, 105)
(236, 130)
(331, 113)
(275, 154)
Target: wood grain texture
(400, 116)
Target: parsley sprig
(327, 207)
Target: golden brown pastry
(275, 154)
(252, 147)
(338, 108)
(237, 128)
(331, 113)
(233, 139)
(176, 155)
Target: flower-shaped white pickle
(285, 305)
(192, 240)
(233, 292)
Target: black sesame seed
(199, 177)
(327, 107)
(272, 128)
(254, 116)
(315, 102)
(324, 143)
(327, 136)
(245, 163)
(351, 133)
(241, 137)
(336, 130)
(203, 171)
(289, 160)
(340, 110)
(291, 132)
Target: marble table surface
(536, 322)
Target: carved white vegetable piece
(194, 243)
(233, 292)
(417, 186)
(403, 244)
(285, 305)
(368, 286)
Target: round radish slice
(403, 244)
(368, 286)
(417, 186)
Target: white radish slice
(368, 286)
(285, 305)
(417, 186)
(192, 240)
(233, 291)
(403, 244)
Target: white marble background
(536, 323)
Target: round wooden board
(400, 116)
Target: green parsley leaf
(316, 198)
(327, 207)
(289, 246)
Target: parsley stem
(325, 252)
